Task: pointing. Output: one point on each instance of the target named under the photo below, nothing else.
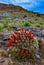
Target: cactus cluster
(25, 44)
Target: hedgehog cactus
(24, 42)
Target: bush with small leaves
(1, 27)
(27, 23)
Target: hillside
(15, 10)
(18, 13)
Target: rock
(6, 36)
(25, 63)
(17, 63)
(42, 33)
(5, 43)
(26, 28)
(3, 52)
(41, 46)
(1, 35)
(42, 61)
(37, 55)
(15, 28)
(29, 63)
(2, 60)
(1, 41)
(6, 62)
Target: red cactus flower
(17, 38)
(27, 53)
(33, 40)
(22, 30)
(27, 33)
(12, 36)
(31, 35)
(15, 32)
(22, 53)
(19, 32)
(10, 43)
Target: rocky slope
(18, 12)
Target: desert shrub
(6, 21)
(5, 25)
(1, 27)
(21, 23)
(27, 23)
(37, 25)
(24, 43)
(10, 26)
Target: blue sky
(31, 5)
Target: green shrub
(1, 27)
(27, 23)
(5, 25)
(6, 21)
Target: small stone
(36, 64)
(17, 63)
(6, 36)
(29, 63)
(37, 55)
(42, 62)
